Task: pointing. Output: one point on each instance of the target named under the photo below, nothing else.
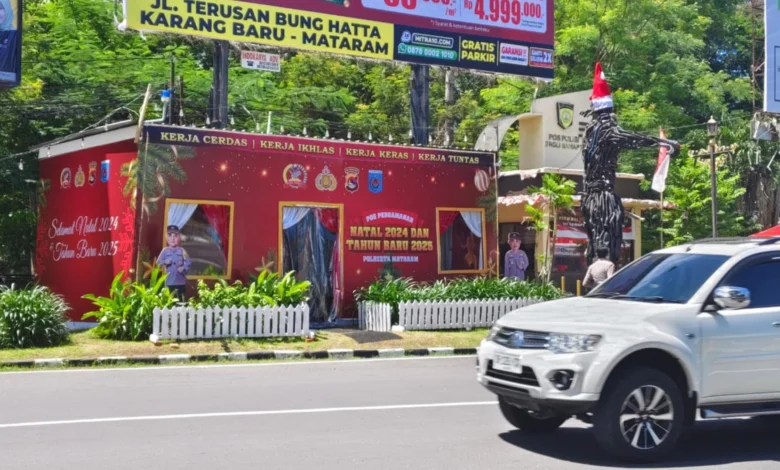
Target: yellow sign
(262, 24)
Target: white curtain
(179, 214)
(292, 215)
(474, 223)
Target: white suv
(695, 327)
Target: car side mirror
(732, 298)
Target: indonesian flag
(662, 169)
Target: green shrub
(267, 290)
(32, 318)
(405, 290)
(127, 313)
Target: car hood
(586, 315)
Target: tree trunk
(552, 243)
(761, 202)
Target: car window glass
(677, 278)
(671, 277)
(762, 280)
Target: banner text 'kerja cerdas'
(262, 24)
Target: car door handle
(776, 324)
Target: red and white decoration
(482, 181)
(602, 97)
(662, 169)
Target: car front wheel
(529, 421)
(641, 416)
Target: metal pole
(420, 104)
(714, 183)
(220, 88)
(662, 219)
(172, 105)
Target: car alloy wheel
(646, 417)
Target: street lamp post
(712, 131)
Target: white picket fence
(241, 322)
(375, 317)
(457, 315)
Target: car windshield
(672, 278)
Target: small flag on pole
(662, 169)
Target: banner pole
(662, 219)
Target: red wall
(249, 171)
(85, 234)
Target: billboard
(772, 72)
(10, 42)
(87, 224)
(504, 36)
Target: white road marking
(244, 414)
(142, 368)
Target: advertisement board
(772, 71)
(86, 228)
(10, 42)
(254, 60)
(504, 36)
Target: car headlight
(493, 332)
(566, 344)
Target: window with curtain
(206, 235)
(310, 247)
(461, 240)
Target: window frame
(206, 202)
(485, 255)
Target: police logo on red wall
(352, 184)
(92, 173)
(65, 178)
(80, 177)
(295, 176)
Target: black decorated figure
(602, 209)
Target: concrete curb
(238, 356)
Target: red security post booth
(340, 214)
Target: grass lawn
(86, 345)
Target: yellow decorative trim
(203, 202)
(485, 254)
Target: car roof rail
(721, 240)
(769, 241)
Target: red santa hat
(602, 97)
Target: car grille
(528, 377)
(521, 339)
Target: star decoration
(265, 265)
(148, 268)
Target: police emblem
(65, 178)
(104, 171)
(565, 115)
(92, 173)
(326, 181)
(352, 183)
(80, 178)
(295, 176)
(375, 181)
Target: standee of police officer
(176, 262)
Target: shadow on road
(711, 443)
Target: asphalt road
(397, 414)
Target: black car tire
(528, 421)
(640, 435)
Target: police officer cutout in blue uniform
(176, 262)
